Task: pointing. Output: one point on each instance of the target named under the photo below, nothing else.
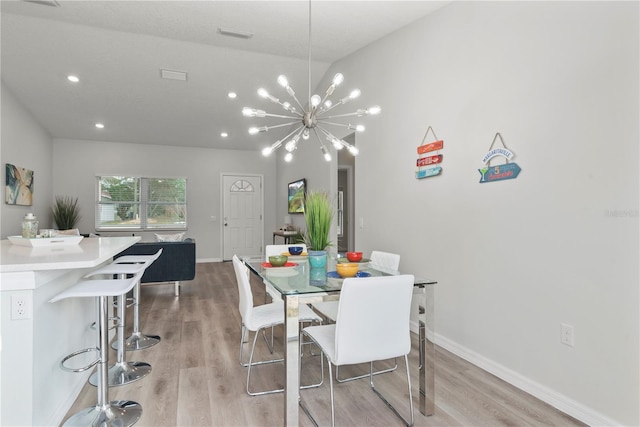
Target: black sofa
(176, 263)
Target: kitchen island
(36, 334)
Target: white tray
(43, 242)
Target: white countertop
(90, 252)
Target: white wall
(26, 144)
(77, 163)
(514, 259)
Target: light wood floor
(197, 381)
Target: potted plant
(318, 214)
(66, 212)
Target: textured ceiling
(117, 48)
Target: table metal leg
(291, 361)
(428, 352)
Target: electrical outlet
(20, 307)
(566, 334)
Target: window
(134, 203)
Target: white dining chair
(385, 261)
(258, 318)
(372, 324)
(382, 261)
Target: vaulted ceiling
(118, 48)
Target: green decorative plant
(318, 214)
(66, 212)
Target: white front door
(242, 208)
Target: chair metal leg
(395, 411)
(384, 371)
(250, 364)
(264, 362)
(105, 413)
(122, 372)
(137, 340)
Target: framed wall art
(296, 193)
(18, 185)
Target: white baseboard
(80, 380)
(200, 260)
(553, 398)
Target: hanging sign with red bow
(431, 159)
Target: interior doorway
(346, 198)
(242, 221)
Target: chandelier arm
(333, 123)
(299, 104)
(330, 136)
(342, 115)
(267, 128)
(332, 107)
(299, 128)
(315, 131)
(281, 116)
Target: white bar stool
(104, 413)
(137, 340)
(122, 372)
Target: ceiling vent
(173, 75)
(235, 33)
(52, 3)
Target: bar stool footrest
(78, 353)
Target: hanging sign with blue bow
(501, 172)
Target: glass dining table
(301, 284)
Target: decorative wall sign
(18, 185)
(430, 159)
(502, 172)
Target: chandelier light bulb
(374, 111)
(315, 100)
(305, 134)
(290, 146)
(282, 80)
(353, 150)
(266, 151)
(288, 157)
(354, 94)
(337, 79)
(359, 128)
(336, 143)
(247, 112)
(262, 92)
(254, 131)
(325, 153)
(328, 103)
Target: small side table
(288, 236)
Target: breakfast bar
(35, 334)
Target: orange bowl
(347, 269)
(354, 256)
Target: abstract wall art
(19, 186)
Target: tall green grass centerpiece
(318, 215)
(66, 212)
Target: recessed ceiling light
(100, 125)
(224, 134)
(73, 78)
(232, 95)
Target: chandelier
(313, 119)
